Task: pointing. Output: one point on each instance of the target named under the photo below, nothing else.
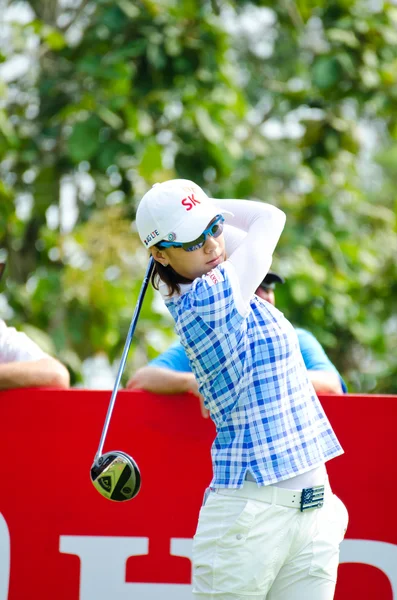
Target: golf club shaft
(125, 354)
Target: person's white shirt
(16, 346)
(24, 364)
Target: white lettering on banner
(4, 558)
(103, 564)
(377, 554)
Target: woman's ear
(160, 256)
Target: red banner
(59, 539)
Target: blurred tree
(293, 103)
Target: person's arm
(263, 224)
(168, 374)
(325, 382)
(322, 373)
(45, 372)
(233, 238)
(161, 380)
(24, 364)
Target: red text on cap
(190, 201)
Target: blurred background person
(322, 373)
(24, 364)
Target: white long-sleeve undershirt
(252, 257)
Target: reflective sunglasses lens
(214, 230)
(195, 245)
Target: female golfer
(270, 527)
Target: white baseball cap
(177, 210)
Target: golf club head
(116, 476)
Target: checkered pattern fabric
(251, 373)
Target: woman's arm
(263, 224)
(233, 238)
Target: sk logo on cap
(190, 201)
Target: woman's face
(196, 263)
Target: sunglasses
(213, 230)
(268, 287)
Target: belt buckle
(312, 497)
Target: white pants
(247, 549)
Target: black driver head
(116, 476)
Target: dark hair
(169, 276)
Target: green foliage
(293, 103)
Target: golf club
(115, 474)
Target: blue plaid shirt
(251, 373)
